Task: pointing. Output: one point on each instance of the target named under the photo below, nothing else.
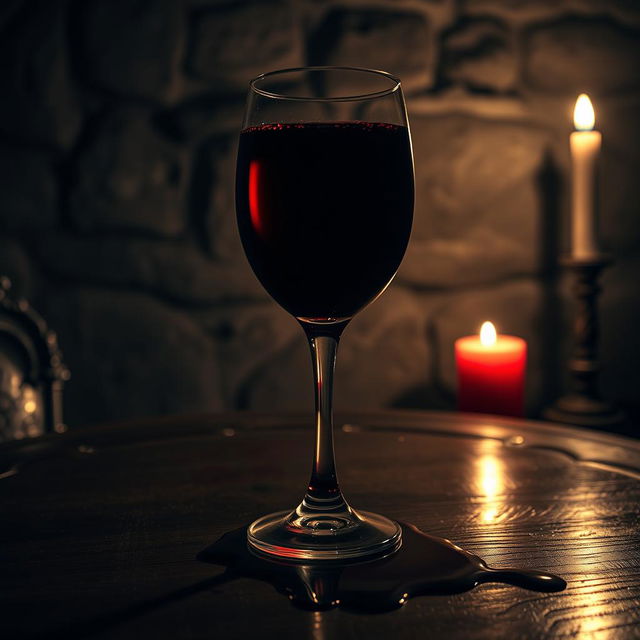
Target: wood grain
(100, 528)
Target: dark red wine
(325, 212)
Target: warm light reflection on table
(490, 483)
(317, 631)
(594, 602)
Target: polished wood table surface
(101, 527)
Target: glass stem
(323, 492)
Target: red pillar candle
(491, 372)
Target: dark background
(118, 125)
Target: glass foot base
(324, 537)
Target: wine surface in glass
(324, 212)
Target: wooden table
(100, 528)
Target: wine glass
(324, 199)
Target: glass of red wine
(324, 198)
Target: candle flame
(584, 117)
(488, 335)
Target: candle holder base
(582, 406)
(584, 411)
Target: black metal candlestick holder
(583, 405)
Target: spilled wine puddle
(423, 565)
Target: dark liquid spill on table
(423, 565)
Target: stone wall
(118, 125)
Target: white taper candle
(585, 147)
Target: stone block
(38, 99)
(219, 212)
(248, 337)
(131, 356)
(383, 354)
(213, 198)
(619, 315)
(128, 177)
(285, 382)
(231, 43)
(28, 190)
(522, 12)
(576, 54)
(130, 46)
(174, 270)
(16, 264)
(395, 41)
(618, 182)
(478, 213)
(524, 308)
(479, 54)
(202, 117)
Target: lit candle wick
(488, 334)
(584, 117)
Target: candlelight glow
(584, 118)
(487, 334)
